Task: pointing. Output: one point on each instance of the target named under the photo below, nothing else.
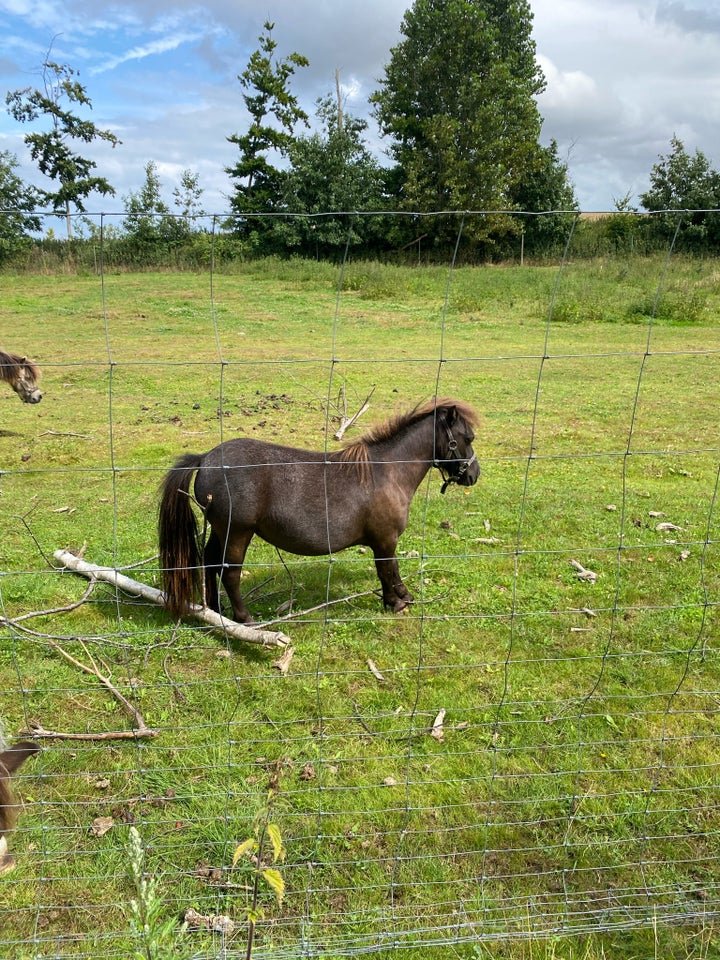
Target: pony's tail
(177, 533)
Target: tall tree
(680, 182)
(458, 102)
(17, 203)
(274, 114)
(54, 150)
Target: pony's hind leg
(212, 563)
(232, 561)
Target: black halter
(449, 478)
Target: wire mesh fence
(531, 751)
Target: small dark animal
(307, 502)
(10, 760)
(22, 375)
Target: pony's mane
(11, 366)
(359, 450)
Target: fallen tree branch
(230, 628)
(59, 433)
(141, 729)
(37, 731)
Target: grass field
(568, 806)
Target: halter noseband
(449, 478)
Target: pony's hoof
(246, 620)
(7, 863)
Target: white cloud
(154, 48)
(571, 92)
(623, 77)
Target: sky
(622, 78)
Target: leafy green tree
(546, 191)
(622, 226)
(458, 102)
(274, 114)
(54, 150)
(187, 196)
(149, 220)
(331, 172)
(680, 182)
(17, 203)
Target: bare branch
(346, 422)
(13, 621)
(141, 728)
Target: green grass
(575, 789)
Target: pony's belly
(308, 541)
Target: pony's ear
(13, 758)
(451, 415)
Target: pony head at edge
(22, 375)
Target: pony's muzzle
(470, 474)
(34, 397)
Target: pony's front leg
(396, 595)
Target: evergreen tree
(274, 113)
(53, 150)
(331, 172)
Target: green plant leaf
(275, 881)
(243, 848)
(273, 831)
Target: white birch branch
(238, 631)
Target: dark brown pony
(307, 502)
(10, 760)
(22, 375)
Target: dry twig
(582, 574)
(345, 421)
(374, 670)
(141, 728)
